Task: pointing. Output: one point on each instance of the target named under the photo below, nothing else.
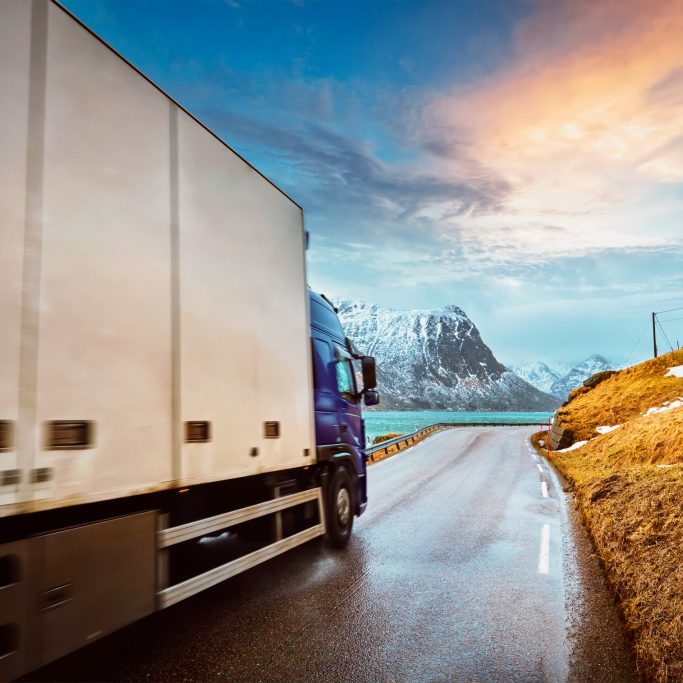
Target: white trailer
(155, 343)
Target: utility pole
(654, 332)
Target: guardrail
(390, 447)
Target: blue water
(406, 421)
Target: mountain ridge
(435, 359)
(559, 384)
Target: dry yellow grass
(652, 440)
(623, 396)
(632, 506)
(385, 437)
(636, 520)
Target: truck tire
(339, 508)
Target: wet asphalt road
(445, 579)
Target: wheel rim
(343, 506)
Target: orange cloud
(585, 122)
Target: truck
(176, 405)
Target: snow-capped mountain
(580, 372)
(559, 380)
(435, 360)
(538, 374)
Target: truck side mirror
(371, 397)
(369, 372)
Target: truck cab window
(345, 381)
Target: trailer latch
(40, 475)
(197, 431)
(271, 430)
(57, 596)
(6, 435)
(9, 477)
(70, 435)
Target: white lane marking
(544, 552)
(540, 469)
(544, 489)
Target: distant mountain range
(561, 379)
(436, 360)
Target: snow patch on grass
(667, 405)
(573, 447)
(606, 429)
(675, 371)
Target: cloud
(339, 171)
(584, 124)
(549, 179)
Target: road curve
(469, 565)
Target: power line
(665, 337)
(631, 354)
(656, 321)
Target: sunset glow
(585, 133)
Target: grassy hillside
(622, 397)
(629, 486)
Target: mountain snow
(537, 373)
(580, 372)
(435, 360)
(560, 380)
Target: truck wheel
(339, 508)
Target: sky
(522, 160)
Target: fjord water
(405, 421)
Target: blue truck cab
(338, 370)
